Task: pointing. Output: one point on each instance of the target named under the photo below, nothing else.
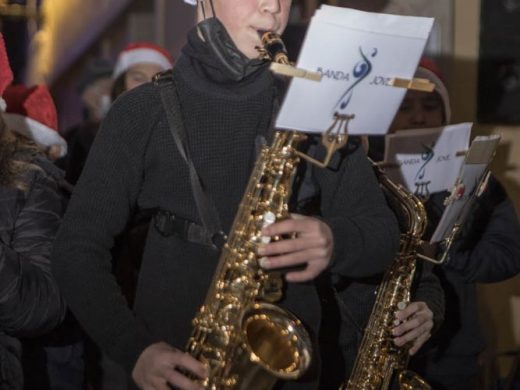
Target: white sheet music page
(357, 54)
(426, 161)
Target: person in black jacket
(101, 84)
(136, 64)
(33, 196)
(487, 250)
(31, 206)
(228, 98)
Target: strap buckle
(163, 77)
(168, 224)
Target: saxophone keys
(272, 290)
(267, 219)
(400, 306)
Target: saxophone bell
(276, 342)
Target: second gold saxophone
(379, 359)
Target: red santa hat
(32, 113)
(6, 74)
(137, 53)
(429, 70)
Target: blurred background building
(49, 41)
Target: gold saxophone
(379, 359)
(245, 340)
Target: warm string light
(43, 42)
(25, 11)
(51, 51)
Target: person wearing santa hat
(226, 102)
(486, 251)
(31, 113)
(32, 203)
(423, 109)
(136, 64)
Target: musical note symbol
(421, 187)
(361, 70)
(426, 156)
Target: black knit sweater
(134, 164)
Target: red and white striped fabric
(137, 53)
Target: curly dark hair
(16, 156)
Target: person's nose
(271, 6)
(418, 117)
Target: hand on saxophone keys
(414, 325)
(311, 247)
(161, 366)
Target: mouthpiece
(274, 48)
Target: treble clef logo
(421, 186)
(361, 70)
(426, 156)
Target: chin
(251, 53)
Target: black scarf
(219, 58)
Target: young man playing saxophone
(227, 102)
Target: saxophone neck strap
(210, 233)
(168, 224)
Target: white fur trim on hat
(139, 55)
(3, 104)
(38, 132)
(440, 88)
(191, 2)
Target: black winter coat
(30, 303)
(486, 251)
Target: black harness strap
(211, 232)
